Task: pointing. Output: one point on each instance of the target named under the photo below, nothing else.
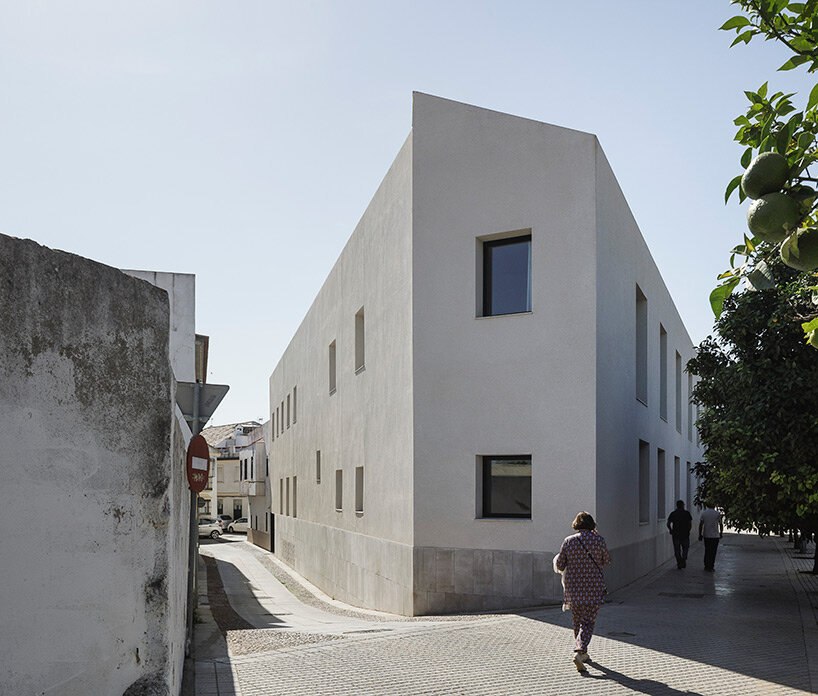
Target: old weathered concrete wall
(93, 573)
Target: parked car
(224, 520)
(209, 526)
(239, 525)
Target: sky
(242, 141)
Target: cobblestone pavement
(747, 629)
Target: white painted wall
(623, 261)
(443, 385)
(367, 422)
(521, 384)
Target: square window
(507, 276)
(507, 486)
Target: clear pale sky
(242, 141)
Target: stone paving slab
(747, 629)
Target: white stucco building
(493, 351)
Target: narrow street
(748, 628)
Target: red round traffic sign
(198, 463)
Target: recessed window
(644, 482)
(507, 276)
(662, 373)
(318, 466)
(678, 392)
(360, 342)
(288, 411)
(507, 486)
(661, 495)
(295, 496)
(295, 391)
(281, 496)
(287, 495)
(332, 367)
(220, 475)
(677, 480)
(359, 489)
(339, 489)
(689, 406)
(641, 346)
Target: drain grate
(369, 630)
(686, 595)
(620, 634)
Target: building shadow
(651, 687)
(744, 617)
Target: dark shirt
(680, 522)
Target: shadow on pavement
(225, 616)
(744, 617)
(641, 686)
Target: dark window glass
(507, 486)
(507, 276)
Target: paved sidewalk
(749, 628)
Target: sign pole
(193, 545)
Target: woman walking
(580, 561)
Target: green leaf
(753, 97)
(731, 187)
(782, 140)
(810, 325)
(747, 157)
(749, 243)
(726, 274)
(745, 37)
(762, 91)
(805, 140)
(736, 22)
(761, 278)
(794, 62)
(813, 98)
(720, 294)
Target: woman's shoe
(579, 662)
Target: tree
(759, 421)
(786, 224)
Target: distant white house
(493, 351)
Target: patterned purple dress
(584, 583)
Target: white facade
(426, 388)
(255, 487)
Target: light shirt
(710, 519)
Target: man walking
(711, 530)
(680, 522)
